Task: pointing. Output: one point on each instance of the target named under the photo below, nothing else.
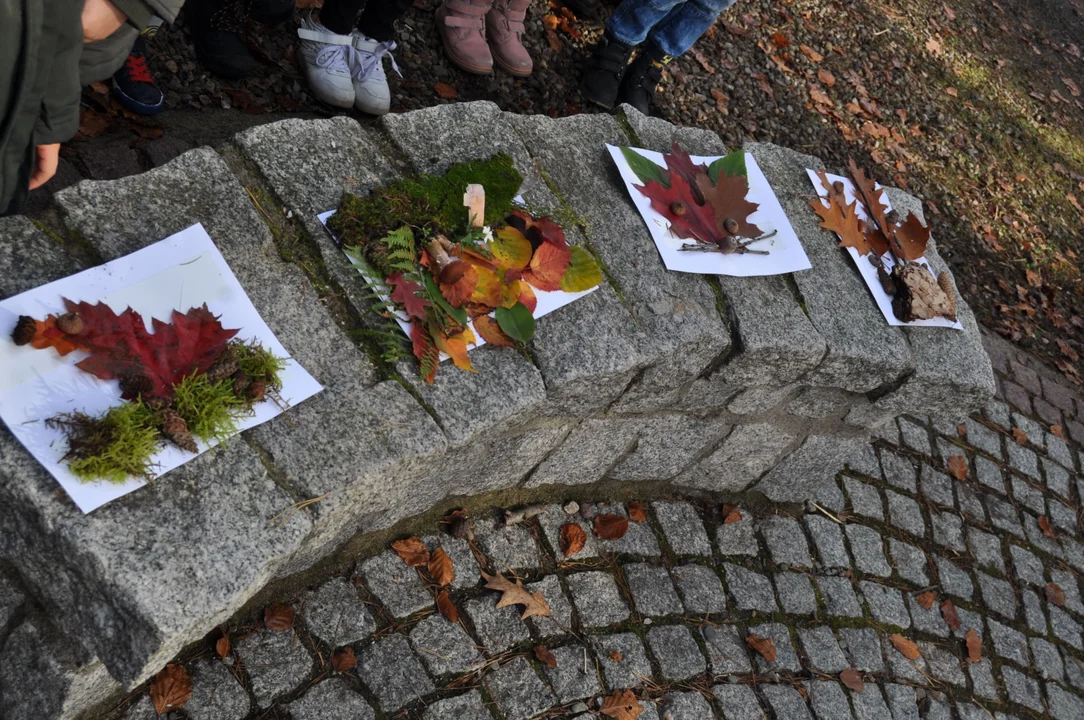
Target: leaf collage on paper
(706, 204)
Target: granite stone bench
(760, 386)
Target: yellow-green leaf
(511, 249)
(583, 272)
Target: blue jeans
(672, 25)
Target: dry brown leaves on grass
(412, 550)
(573, 539)
(440, 567)
(170, 689)
(852, 679)
(906, 647)
(762, 645)
(611, 527)
(534, 604)
(344, 660)
(278, 617)
(974, 646)
(621, 705)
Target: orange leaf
(911, 238)
(412, 550)
(637, 512)
(957, 467)
(1044, 525)
(426, 351)
(948, 612)
(731, 514)
(445, 90)
(906, 647)
(548, 266)
(1055, 594)
(926, 599)
(488, 289)
(491, 332)
(616, 656)
(974, 646)
(222, 647)
(550, 21)
(1020, 436)
(621, 705)
(170, 689)
(840, 218)
(545, 656)
(527, 297)
(573, 539)
(763, 646)
(611, 527)
(1058, 430)
(826, 77)
(460, 289)
(446, 607)
(344, 660)
(278, 617)
(440, 567)
(852, 679)
(456, 347)
(961, 430)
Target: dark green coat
(40, 45)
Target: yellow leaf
(456, 347)
(511, 249)
(583, 272)
(489, 290)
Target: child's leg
(339, 16)
(674, 34)
(633, 20)
(378, 19)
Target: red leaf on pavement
(926, 599)
(344, 660)
(1020, 436)
(611, 527)
(440, 567)
(278, 617)
(637, 512)
(446, 607)
(1044, 525)
(412, 550)
(545, 656)
(1055, 594)
(906, 647)
(222, 647)
(170, 689)
(957, 467)
(948, 612)
(762, 645)
(445, 90)
(405, 293)
(731, 514)
(573, 538)
(974, 646)
(852, 679)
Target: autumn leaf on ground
(906, 647)
(548, 266)
(545, 656)
(440, 567)
(871, 195)
(511, 248)
(1044, 525)
(1055, 594)
(456, 347)
(458, 287)
(926, 599)
(344, 660)
(852, 679)
(412, 550)
(405, 293)
(278, 617)
(222, 647)
(681, 163)
(446, 607)
(948, 612)
(637, 511)
(974, 646)
(731, 514)
(573, 538)
(534, 604)
(1020, 436)
(445, 90)
(727, 200)
(540, 229)
(688, 219)
(762, 645)
(621, 705)
(957, 467)
(810, 53)
(611, 527)
(1058, 431)
(615, 656)
(491, 332)
(170, 689)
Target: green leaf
(401, 238)
(582, 273)
(516, 322)
(732, 164)
(457, 314)
(644, 169)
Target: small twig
(290, 511)
(828, 514)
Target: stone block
(510, 547)
(498, 628)
(785, 702)
(573, 679)
(588, 453)
(739, 702)
(866, 499)
(726, 650)
(867, 550)
(870, 704)
(468, 706)
(676, 651)
(737, 538)
(997, 595)
(684, 706)
(638, 540)
(623, 659)
(1022, 690)
(828, 701)
(886, 604)
(653, 593)
(819, 403)
(700, 589)
(828, 539)
(822, 650)
(560, 623)
(277, 664)
(29, 257)
(785, 541)
(330, 699)
(666, 444)
(217, 695)
(445, 647)
(391, 671)
(796, 477)
(682, 528)
(786, 659)
(796, 593)
(839, 597)
(910, 562)
(746, 454)
(863, 649)
(597, 599)
(336, 615)
(750, 590)
(395, 584)
(518, 691)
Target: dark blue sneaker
(133, 84)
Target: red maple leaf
(688, 219)
(680, 163)
(405, 293)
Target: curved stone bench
(706, 384)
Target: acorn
(678, 208)
(25, 330)
(175, 429)
(731, 226)
(892, 217)
(838, 187)
(70, 323)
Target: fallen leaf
(840, 218)
(278, 617)
(455, 346)
(953, 92)
(731, 514)
(727, 199)
(440, 567)
(926, 599)
(974, 646)
(810, 53)
(906, 647)
(1055, 594)
(1020, 436)
(491, 332)
(762, 645)
(548, 266)
(573, 538)
(412, 550)
(615, 656)
(852, 679)
(826, 77)
(550, 21)
(1074, 90)
(446, 607)
(553, 40)
(961, 430)
(611, 527)
(545, 656)
(405, 293)
(1058, 430)
(911, 238)
(951, 617)
(934, 46)
(534, 604)
(222, 647)
(445, 90)
(621, 705)
(637, 511)
(1044, 525)
(344, 660)
(957, 467)
(170, 689)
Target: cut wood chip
(948, 612)
(278, 617)
(906, 647)
(621, 705)
(446, 607)
(440, 567)
(957, 467)
(611, 527)
(637, 511)
(1055, 594)
(762, 645)
(974, 646)
(344, 660)
(852, 679)
(573, 538)
(222, 647)
(170, 689)
(926, 599)
(412, 550)
(545, 656)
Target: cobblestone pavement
(895, 546)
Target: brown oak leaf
(446, 607)
(170, 689)
(974, 646)
(637, 511)
(278, 617)
(911, 238)
(948, 612)
(621, 705)
(957, 467)
(762, 645)
(573, 538)
(412, 550)
(611, 527)
(1055, 594)
(440, 567)
(344, 660)
(852, 679)
(906, 647)
(727, 200)
(926, 599)
(840, 218)
(534, 604)
(545, 656)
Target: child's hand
(101, 18)
(45, 165)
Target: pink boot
(504, 28)
(462, 28)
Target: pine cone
(70, 323)
(133, 386)
(222, 368)
(240, 384)
(945, 283)
(25, 330)
(256, 390)
(175, 429)
(887, 283)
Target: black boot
(585, 9)
(603, 71)
(217, 28)
(641, 79)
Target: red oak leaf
(405, 293)
(680, 163)
(676, 203)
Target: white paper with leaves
(183, 271)
(865, 268)
(786, 253)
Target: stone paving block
(904, 513)
(785, 541)
(463, 560)
(653, 593)
(982, 679)
(916, 435)
(143, 710)
(508, 547)
(623, 659)
(967, 711)
(989, 474)
(828, 539)
(1023, 460)
(901, 701)
(589, 451)
(498, 628)
(796, 593)
(738, 702)
(819, 459)
(1021, 689)
(997, 595)
(737, 538)
(760, 399)
(560, 623)
(1062, 516)
(822, 650)
(1028, 496)
(1057, 478)
(31, 257)
(217, 695)
(518, 691)
(927, 620)
(1074, 669)
(865, 462)
(899, 667)
(818, 403)
(395, 584)
(11, 602)
(638, 540)
(573, 679)
(828, 495)
(865, 499)
(685, 706)
(886, 604)
(785, 702)
(1004, 516)
(1026, 566)
(330, 699)
(682, 528)
(899, 471)
(726, 649)
(746, 454)
(828, 701)
(1064, 627)
(953, 580)
(968, 621)
(1063, 705)
(277, 664)
(786, 659)
(997, 412)
(1033, 611)
(445, 647)
(970, 503)
(393, 673)
(468, 706)
(553, 518)
(986, 549)
(666, 444)
(870, 703)
(700, 588)
(676, 651)
(948, 530)
(867, 550)
(942, 664)
(1010, 644)
(910, 562)
(597, 599)
(1068, 583)
(839, 596)
(862, 648)
(1058, 449)
(1047, 659)
(749, 590)
(1064, 548)
(937, 486)
(336, 615)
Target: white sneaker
(327, 58)
(371, 92)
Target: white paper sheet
(183, 271)
(548, 301)
(866, 268)
(787, 254)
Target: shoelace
(369, 61)
(137, 69)
(336, 57)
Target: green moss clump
(209, 409)
(257, 362)
(112, 447)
